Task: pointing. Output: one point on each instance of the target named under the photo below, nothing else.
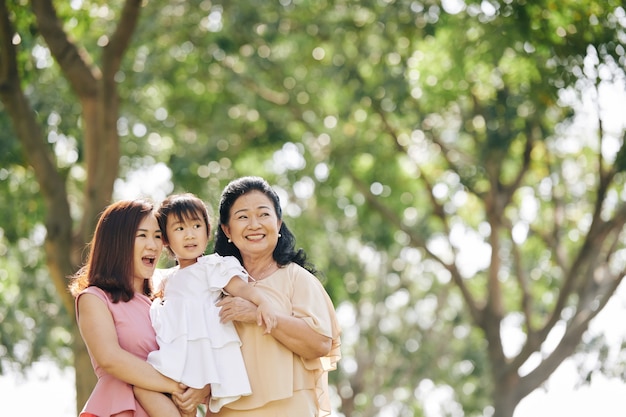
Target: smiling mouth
(148, 260)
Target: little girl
(194, 347)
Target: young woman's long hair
(109, 265)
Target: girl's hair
(109, 265)
(184, 207)
(285, 251)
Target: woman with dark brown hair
(113, 302)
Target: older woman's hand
(237, 309)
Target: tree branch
(72, 60)
(374, 201)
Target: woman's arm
(291, 331)
(192, 397)
(98, 331)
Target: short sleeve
(312, 303)
(221, 270)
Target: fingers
(223, 301)
(270, 323)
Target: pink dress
(111, 396)
(194, 347)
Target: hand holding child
(266, 315)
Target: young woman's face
(253, 225)
(187, 238)
(148, 247)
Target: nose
(253, 222)
(154, 243)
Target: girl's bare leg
(157, 404)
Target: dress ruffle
(100, 402)
(194, 347)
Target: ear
(226, 230)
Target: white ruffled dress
(194, 347)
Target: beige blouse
(274, 371)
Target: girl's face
(148, 247)
(187, 238)
(253, 226)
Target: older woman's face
(253, 225)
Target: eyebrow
(262, 207)
(184, 219)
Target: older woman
(288, 369)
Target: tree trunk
(504, 406)
(96, 90)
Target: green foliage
(388, 129)
(34, 324)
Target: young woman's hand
(188, 399)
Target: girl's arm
(264, 313)
(98, 331)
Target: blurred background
(455, 168)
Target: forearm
(301, 339)
(238, 288)
(156, 404)
(135, 371)
(292, 332)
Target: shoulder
(162, 273)
(293, 269)
(212, 258)
(160, 276)
(92, 299)
(95, 291)
(300, 276)
(228, 265)
(216, 259)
